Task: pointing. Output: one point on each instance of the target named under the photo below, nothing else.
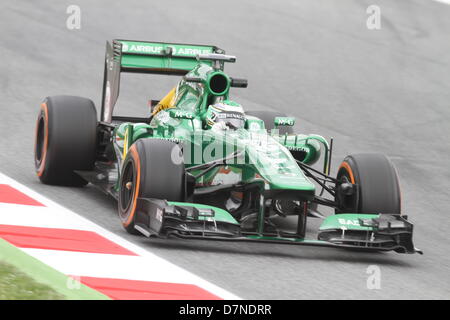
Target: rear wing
(146, 57)
(161, 58)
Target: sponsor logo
(296, 148)
(152, 49)
(141, 49)
(349, 222)
(284, 121)
(190, 51)
(182, 114)
(229, 115)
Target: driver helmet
(225, 115)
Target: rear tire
(65, 140)
(377, 185)
(268, 117)
(149, 168)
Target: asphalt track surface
(382, 91)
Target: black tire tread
(160, 177)
(378, 185)
(72, 138)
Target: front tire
(377, 189)
(153, 168)
(65, 140)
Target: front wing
(376, 232)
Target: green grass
(24, 277)
(16, 285)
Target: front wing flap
(371, 231)
(376, 232)
(162, 218)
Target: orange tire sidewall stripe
(346, 166)
(41, 168)
(135, 156)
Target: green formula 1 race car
(200, 167)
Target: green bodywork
(264, 158)
(347, 221)
(176, 61)
(219, 214)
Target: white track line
(57, 216)
(93, 265)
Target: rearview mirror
(239, 83)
